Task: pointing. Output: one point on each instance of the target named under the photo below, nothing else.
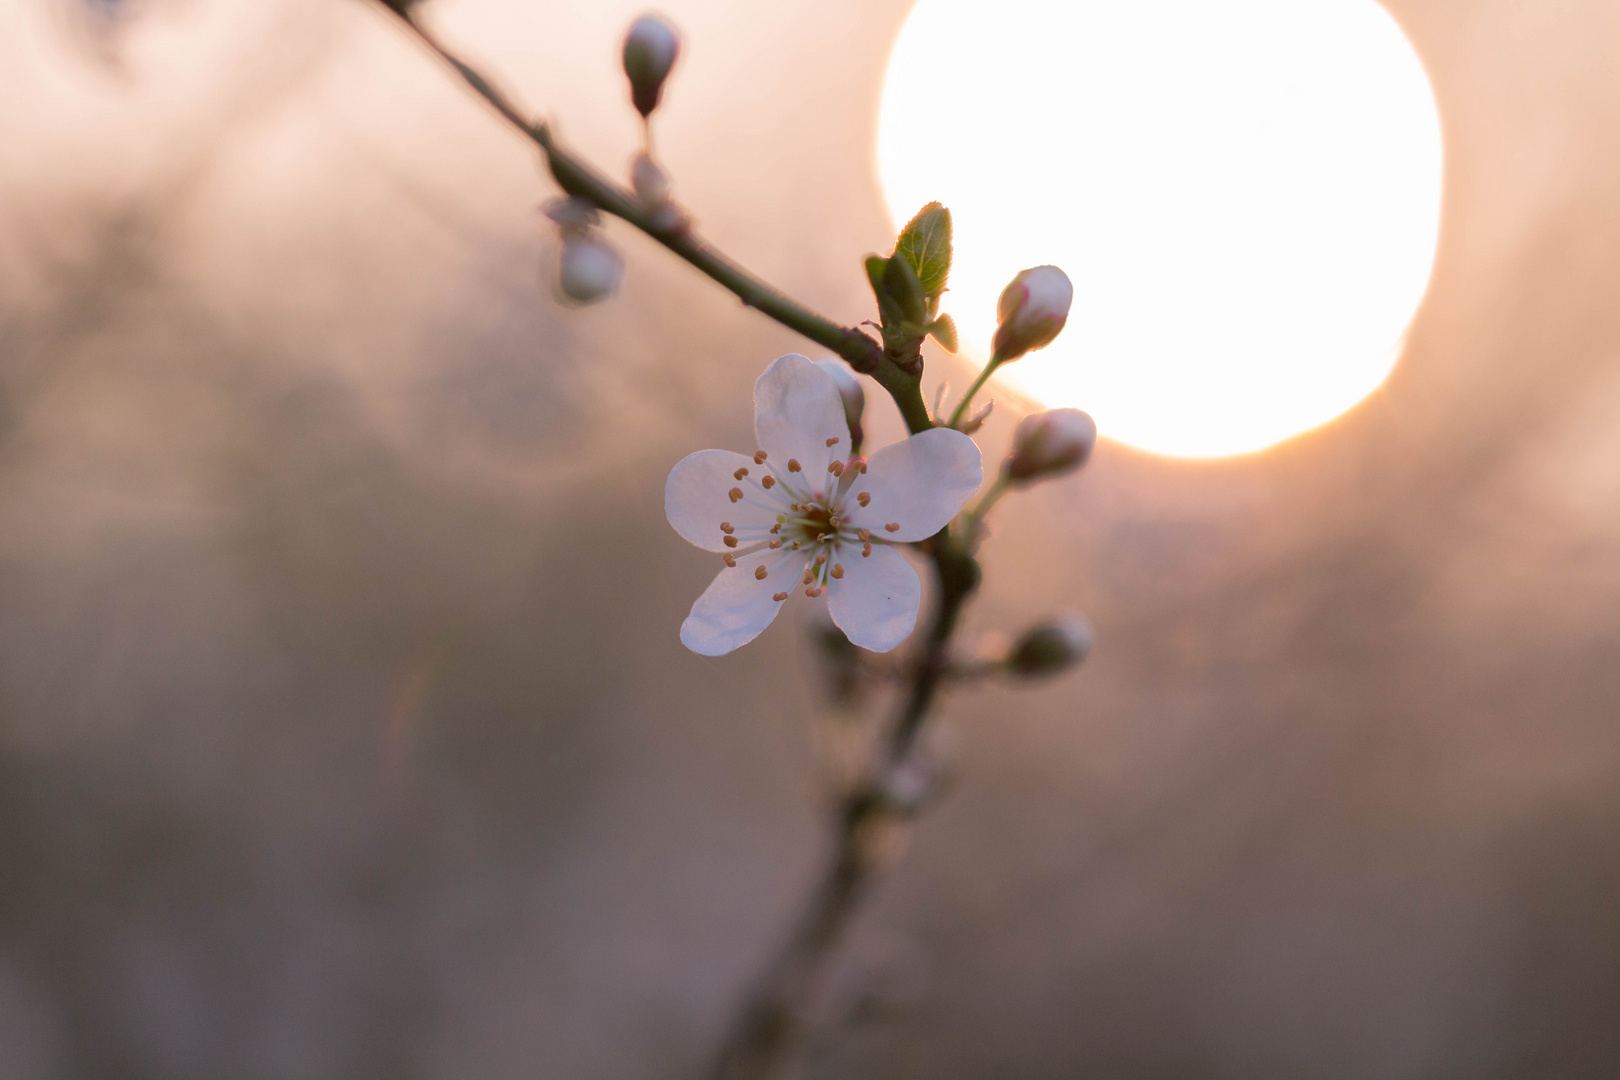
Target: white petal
(697, 498)
(737, 606)
(796, 410)
(920, 483)
(875, 602)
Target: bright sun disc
(1246, 194)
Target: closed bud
(1049, 444)
(590, 269)
(650, 49)
(1051, 647)
(1031, 312)
(648, 181)
(851, 393)
(574, 215)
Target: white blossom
(1049, 444)
(802, 514)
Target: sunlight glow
(1246, 195)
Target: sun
(1246, 194)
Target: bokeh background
(344, 728)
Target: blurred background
(344, 727)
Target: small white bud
(650, 49)
(1049, 444)
(648, 180)
(1051, 647)
(850, 390)
(590, 269)
(1031, 312)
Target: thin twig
(578, 177)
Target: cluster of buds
(590, 268)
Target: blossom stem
(578, 178)
(967, 398)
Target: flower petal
(796, 410)
(697, 498)
(737, 606)
(875, 602)
(919, 483)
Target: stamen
(730, 541)
(833, 521)
(864, 497)
(836, 468)
(893, 526)
(833, 441)
(866, 550)
(767, 482)
(740, 473)
(729, 559)
(794, 466)
(862, 468)
(777, 527)
(725, 527)
(759, 457)
(812, 592)
(779, 597)
(820, 559)
(837, 570)
(809, 575)
(864, 534)
(736, 494)
(774, 544)
(759, 573)
(795, 546)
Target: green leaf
(944, 331)
(926, 244)
(875, 265)
(901, 285)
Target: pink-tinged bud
(1031, 312)
(590, 270)
(850, 390)
(1049, 444)
(650, 49)
(1051, 647)
(575, 216)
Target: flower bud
(1049, 444)
(648, 181)
(650, 49)
(575, 215)
(1031, 312)
(590, 269)
(1051, 647)
(850, 390)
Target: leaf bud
(1031, 312)
(850, 392)
(650, 49)
(1051, 647)
(590, 269)
(1049, 444)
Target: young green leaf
(901, 285)
(926, 244)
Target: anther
(833, 441)
(759, 457)
(740, 473)
(893, 526)
(730, 560)
(777, 527)
(725, 527)
(864, 534)
(767, 482)
(793, 465)
(812, 592)
(809, 576)
(795, 545)
(736, 494)
(866, 550)
(861, 468)
(774, 544)
(779, 597)
(730, 541)
(837, 570)
(864, 497)
(836, 468)
(760, 572)
(833, 521)
(820, 559)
